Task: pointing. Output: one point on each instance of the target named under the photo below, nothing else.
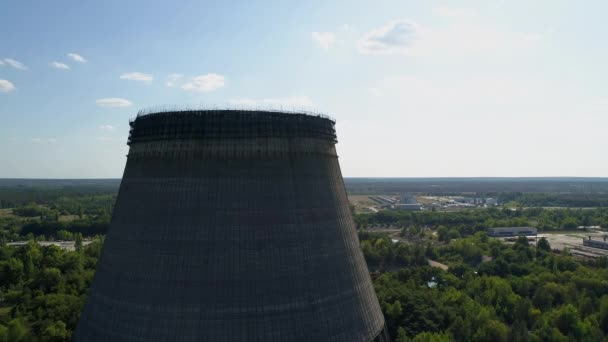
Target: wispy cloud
(137, 76)
(113, 102)
(6, 86)
(291, 101)
(461, 37)
(1, 62)
(393, 38)
(324, 39)
(173, 80)
(15, 63)
(107, 128)
(76, 57)
(205, 83)
(58, 65)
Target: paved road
(67, 245)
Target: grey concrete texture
(225, 230)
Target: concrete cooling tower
(232, 226)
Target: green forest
(468, 222)
(43, 289)
(488, 290)
(521, 293)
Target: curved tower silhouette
(232, 226)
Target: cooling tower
(232, 226)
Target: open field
(68, 218)
(363, 204)
(574, 242)
(67, 245)
(6, 212)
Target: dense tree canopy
(491, 291)
(467, 222)
(42, 290)
(522, 294)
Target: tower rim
(160, 110)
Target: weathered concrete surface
(232, 231)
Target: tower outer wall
(232, 226)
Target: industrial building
(383, 200)
(491, 201)
(512, 231)
(603, 244)
(407, 206)
(232, 226)
(407, 198)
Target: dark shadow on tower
(232, 226)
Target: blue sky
(418, 88)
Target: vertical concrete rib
(232, 226)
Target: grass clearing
(5, 310)
(7, 212)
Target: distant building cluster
(409, 201)
(407, 206)
(476, 201)
(383, 200)
(512, 231)
(405, 202)
(603, 244)
(407, 198)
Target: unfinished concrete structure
(232, 226)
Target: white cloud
(108, 128)
(396, 37)
(113, 102)
(15, 64)
(459, 38)
(6, 86)
(1, 62)
(137, 76)
(292, 101)
(324, 39)
(58, 65)
(76, 57)
(205, 83)
(173, 79)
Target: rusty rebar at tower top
(232, 226)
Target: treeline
(555, 199)
(468, 222)
(50, 228)
(79, 205)
(381, 253)
(14, 196)
(43, 289)
(60, 218)
(520, 293)
(88, 227)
